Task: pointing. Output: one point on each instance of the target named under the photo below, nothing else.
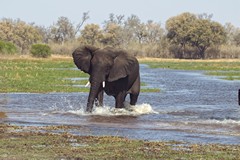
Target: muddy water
(191, 107)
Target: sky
(46, 12)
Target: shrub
(7, 48)
(64, 49)
(40, 50)
(229, 51)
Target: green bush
(40, 50)
(7, 48)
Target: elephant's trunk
(92, 95)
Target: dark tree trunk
(202, 52)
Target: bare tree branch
(85, 17)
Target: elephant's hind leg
(120, 98)
(134, 91)
(133, 99)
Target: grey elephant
(111, 70)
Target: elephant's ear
(82, 57)
(123, 66)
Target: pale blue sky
(46, 12)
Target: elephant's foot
(89, 108)
(133, 99)
(119, 105)
(122, 106)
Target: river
(191, 107)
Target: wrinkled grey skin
(117, 68)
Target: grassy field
(43, 75)
(33, 75)
(41, 143)
(226, 68)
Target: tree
(112, 35)
(85, 17)
(154, 32)
(45, 32)
(63, 30)
(140, 32)
(115, 19)
(205, 33)
(133, 31)
(178, 28)
(231, 32)
(236, 39)
(195, 31)
(19, 32)
(91, 34)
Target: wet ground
(191, 107)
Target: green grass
(21, 75)
(229, 70)
(42, 76)
(42, 143)
(195, 65)
(228, 75)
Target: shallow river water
(190, 107)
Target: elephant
(113, 71)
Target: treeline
(184, 36)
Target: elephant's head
(82, 57)
(102, 65)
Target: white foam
(143, 109)
(136, 110)
(225, 121)
(78, 112)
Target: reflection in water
(191, 107)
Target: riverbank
(55, 142)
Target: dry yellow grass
(147, 59)
(29, 57)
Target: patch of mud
(3, 115)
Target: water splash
(77, 112)
(136, 110)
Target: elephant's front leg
(120, 98)
(99, 99)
